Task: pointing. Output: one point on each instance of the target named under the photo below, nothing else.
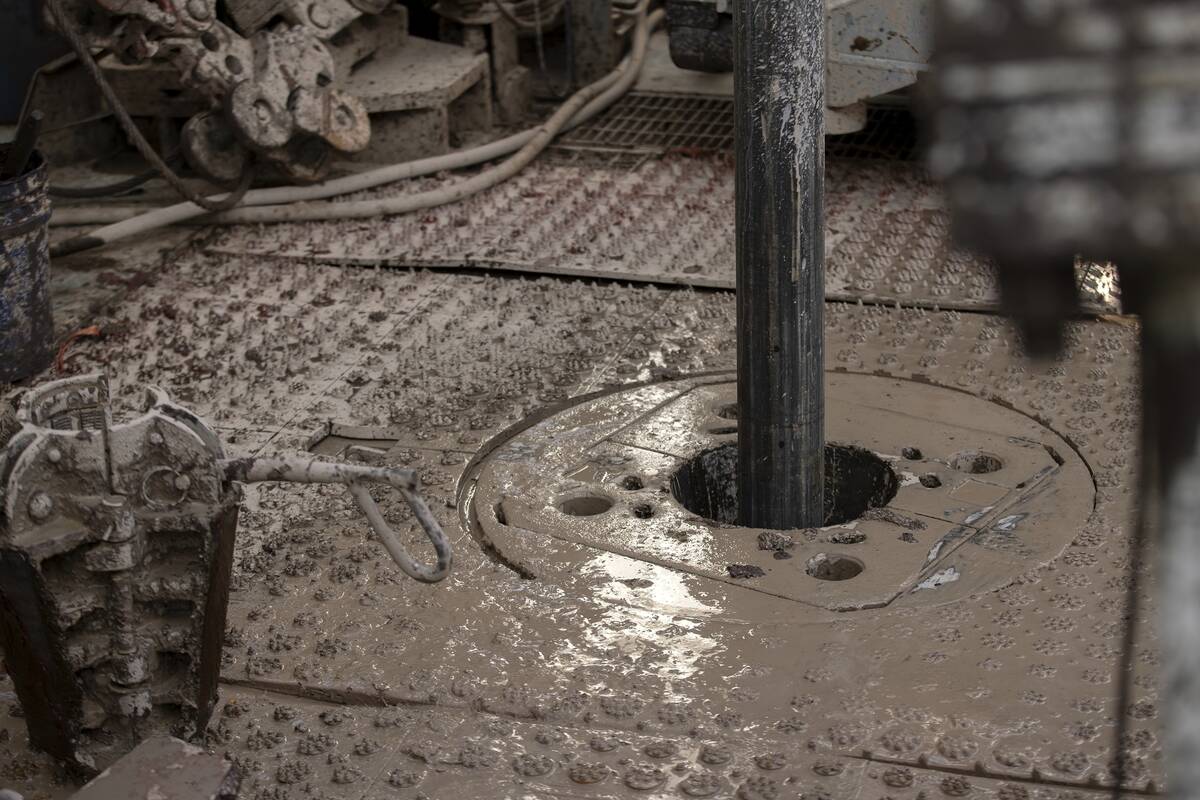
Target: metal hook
(355, 477)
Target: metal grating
(652, 124)
(659, 122)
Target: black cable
(84, 53)
(107, 190)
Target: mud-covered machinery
(268, 72)
(873, 47)
(116, 547)
(291, 85)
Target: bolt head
(156, 438)
(54, 454)
(319, 15)
(198, 9)
(40, 506)
(182, 482)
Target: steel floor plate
(610, 677)
(668, 221)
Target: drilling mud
(624, 658)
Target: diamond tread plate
(1005, 692)
(668, 221)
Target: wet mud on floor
(611, 676)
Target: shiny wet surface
(609, 675)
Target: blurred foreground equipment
(1070, 128)
(116, 547)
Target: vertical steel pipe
(779, 100)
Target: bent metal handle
(354, 477)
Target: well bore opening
(855, 480)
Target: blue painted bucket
(26, 327)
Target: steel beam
(779, 100)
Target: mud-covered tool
(116, 548)
(354, 477)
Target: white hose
(277, 204)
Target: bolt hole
(727, 411)
(262, 110)
(588, 505)
(723, 430)
(631, 483)
(975, 462)
(233, 64)
(833, 567)
(643, 511)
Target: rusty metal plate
(668, 221)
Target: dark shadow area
(855, 480)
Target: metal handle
(354, 477)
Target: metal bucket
(26, 327)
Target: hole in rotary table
(586, 505)
(632, 483)
(855, 480)
(833, 567)
(975, 462)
